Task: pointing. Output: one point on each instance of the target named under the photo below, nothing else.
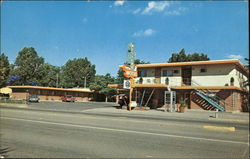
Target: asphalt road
(51, 134)
(84, 107)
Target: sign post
(129, 83)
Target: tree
(100, 85)
(50, 76)
(75, 71)
(120, 77)
(108, 92)
(4, 69)
(182, 57)
(138, 61)
(28, 66)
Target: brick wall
(18, 94)
(234, 99)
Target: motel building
(210, 85)
(50, 93)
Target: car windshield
(33, 97)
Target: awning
(5, 90)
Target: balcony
(163, 80)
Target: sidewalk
(188, 114)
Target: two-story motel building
(208, 85)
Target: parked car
(33, 98)
(68, 98)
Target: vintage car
(33, 98)
(68, 98)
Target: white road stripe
(126, 131)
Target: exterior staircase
(207, 99)
(208, 103)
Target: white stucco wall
(173, 81)
(239, 78)
(216, 75)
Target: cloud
(141, 33)
(232, 56)
(155, 7)
(136, 11)
(176, 12)
(119, 2)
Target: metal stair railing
(215, 97)
(209, 100)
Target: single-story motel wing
(49, 93)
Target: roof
(188, 87)
(209, 87)
(179, 87)
(194, 63)
(115, 85)
(50, 88)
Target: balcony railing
(172, 82)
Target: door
(158, 75)
(186, 74)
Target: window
(167, 72)
(176, 71)
(139, 73)
(164, 72)
(142, 73)
(231, 81)
(203, 70)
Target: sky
(102, 30)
